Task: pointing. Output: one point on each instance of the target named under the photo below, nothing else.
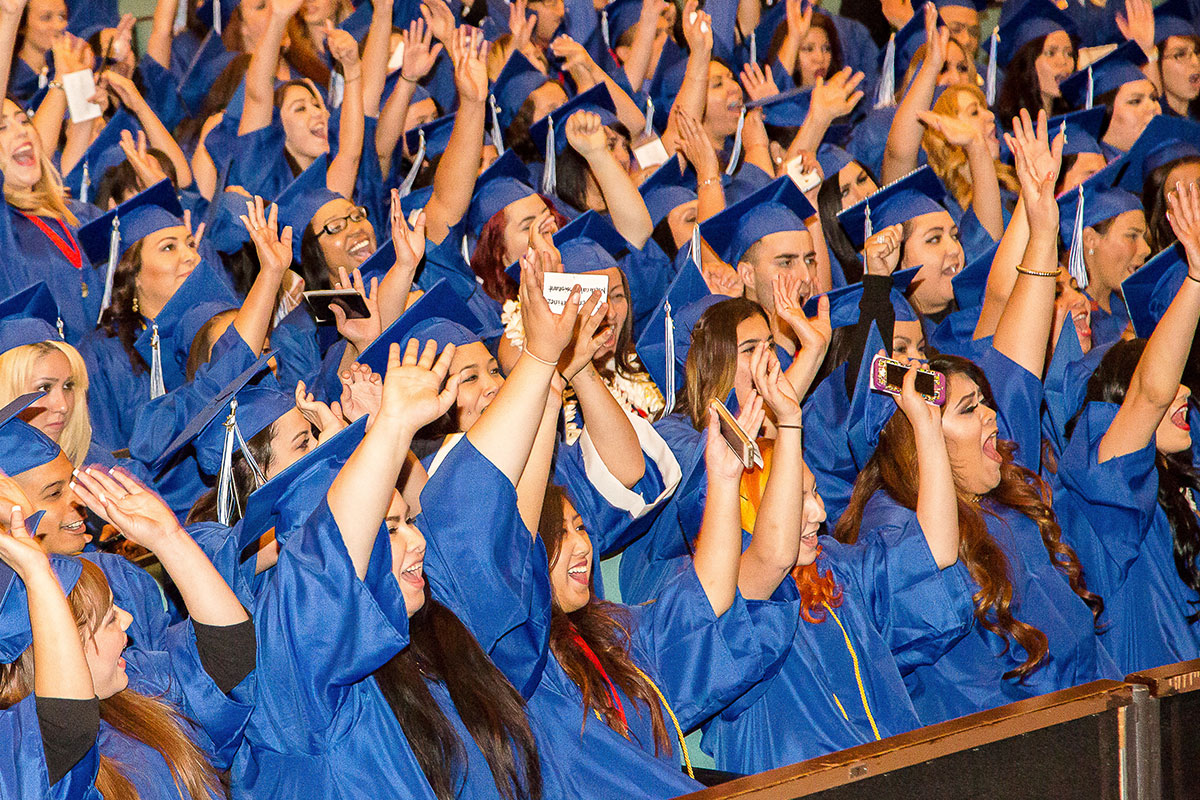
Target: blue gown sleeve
(700, 661)
(1118, 499)
(162, 92)
(258, 164)
(1018, 395)
(218, 720)
(110, 382)
(485, 566)
(23, 773)
(315, 657)
(136, 591)
(918, 609)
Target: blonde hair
(16, 376)
(149, 720)
(48, 197)
(948, 161)
(919, 58)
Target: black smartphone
(321, 301)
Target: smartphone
(349, 300)
(805, 181)
(737, 439)
(887, 375)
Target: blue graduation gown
(699, 661)
(177, 676)
(116, 391)
(324, 729)
(1110, 514)
(135, 591)
(1107, 326)
(23, 760)
(898, 610)
(967, 677)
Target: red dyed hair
(817, 590)
(487, 261)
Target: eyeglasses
(1181, 55)
(338, 224)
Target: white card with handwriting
(557, 286)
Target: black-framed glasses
(338, 224)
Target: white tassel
(497, 132)
(886, 94)
(1091, 86)
(1075, 264)
(226, 489)
(604, 29)
(114, 242)
(61, 328)
(868, 228)
(466, 249)
(43, 77)
(696, 246)
(411, 177)
(337, 89)
(736, 153)
(217, 16)
(550, 173)
(753, 47)
(669, 332)
(85, 183)
(990, 83)
(648, 131)
(180, 23)
(157, 387)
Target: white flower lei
(636, 393)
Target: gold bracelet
(707, 181)
(529, 353)
(1038, 273)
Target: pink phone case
(879, 381)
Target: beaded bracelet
(1038, 273)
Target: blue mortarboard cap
(288, 499)
(616, 18)
(669, 187)
(1114, 70)
(225, 230)
(301, 200)
(214, 411)
(666, 82)
(258, 407)
(379, 262)
(652, 349)
(909, 39)
(588, 243)
(16, 635)
(1067, 351)
(198, 299)
(787, 109)
(977, 5)
(843, 301)
(1174, 18)
(440, 303)
(28, 317)
(869, 410)
(685, 322)
(104, 152)
(778, 206)
(915, 194)
(1083, 130)
(1100, 202)
(1151, 289)
(436, 133)
(145, 213)
(202, 72)
(1021, 23)
(516, 82)
(832, 159)
(970, 284)
(1165, 139)
(597, 99)
(359, 22)
(22, 446)
(505, 181)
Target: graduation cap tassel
(225, 488)
(669, 357)
(1075, 263)
(411, 177)
(868, 228)
(497, 133)
(648, 131)
(1091, 86)
(466, 250)
(85, 183)
(43, 77)
(114, 243)
(604, 29)
(61, 328)
(180, 16)
(337, 89)
(157, 387)
(550, 173)
(696, 246)
(736, 152)
(753, 47)
(990, 82)
(886, 94)
(217, 16)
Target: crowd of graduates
(308, 467)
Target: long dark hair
(120, 319)
(825, 23)
(1021, 88)
(1155, 203)
(441, 649)
(712, 358)
(604, 627)
(244, 482)
(829, 205)
(893, 468)
(573, 172)
(1177, 476)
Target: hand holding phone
(887, 375)
(737, 438)
(321, 301)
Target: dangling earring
(1091, 251)
(135, 304)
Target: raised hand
(585, 133)
(924, 417)
(13, 8)
(719, 458)
(145, 166)
(836, 95)
(1037, 163)
(327, 419)
(420, 53)
(937, 40)
(18, 549)
(342, 47)
(359, 332)
(440, 19)
(71, 54)
(697, 28)
(881, 253)
(590, 334)
(953, 130)
(775, 389)
(575, 57)
(696, 147)
(124, 89)
(284, 9)
(799, 19)
(546, 334)
(121, 43)
(759, 84)
(274, 249)
(521, 24)
(198, 234)
(469, 55)
(814, 334)
(1183, 212)
(408, 236)
(1137, 24)
(413, 395)
(722, 279)
(133, 508)
(362, 392)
